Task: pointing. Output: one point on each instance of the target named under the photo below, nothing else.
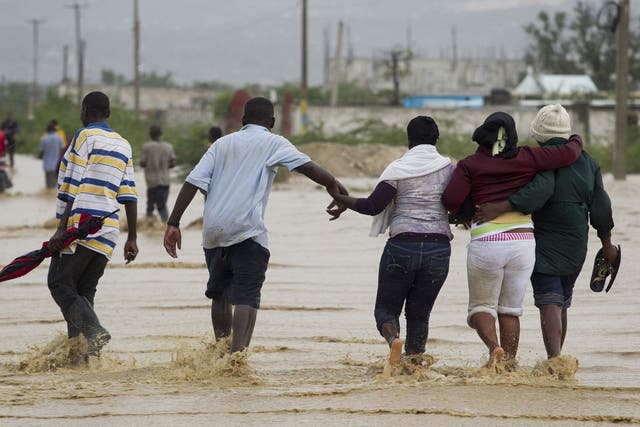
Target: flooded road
(316, 356)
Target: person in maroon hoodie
(501, 253)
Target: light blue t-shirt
(237, 172)
(50, 146)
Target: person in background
(563, 202)
(415, 260)
(51, 145)
(214, 134)
(96, 174)
(157, 157)
(237, 173)
(59, 131)
(11, 130)
(5, 182)
(501, 253)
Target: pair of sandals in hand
(602, 269)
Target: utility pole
(622, 79)
(326, 55)
(65, 63)
(136, 59)
(303, 82)
(337, 67)
(34, 84)
(79, 50)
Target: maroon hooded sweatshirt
(493, 179)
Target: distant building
(558, 84)
(177, 105)
(432, 76)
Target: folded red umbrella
(20, 266)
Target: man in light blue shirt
(237, 173)
(51, 145)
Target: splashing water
(210, 360)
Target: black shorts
(553, 290)
(236, 272)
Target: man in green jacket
(563, 203)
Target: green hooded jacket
(563, 203)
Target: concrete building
(431, 76)
(177, 105)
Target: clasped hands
(337, 205)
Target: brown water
(316, 356)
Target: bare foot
(495, 357)
(396, 351)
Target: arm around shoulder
(548, 158)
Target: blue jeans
(411, 274)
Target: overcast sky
(238, 41)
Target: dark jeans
(236, 272)
(411, 274)
(157, 198)
(74, 275)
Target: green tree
(110, 77)
(572, 44)
(550, 46)
(153, 79)
(398, 65)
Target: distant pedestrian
(214, 133)
(157, 157)
(60, 132)
(4, 178)
(11, 129)
(51, 145)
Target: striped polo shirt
(96, 173)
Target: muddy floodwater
(316, 357)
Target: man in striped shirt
(96, 174)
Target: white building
(557, 84)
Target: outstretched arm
(381, 196)
(320, 175)
(173, 237)
(317, 173)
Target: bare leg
(244, 320)
(485, 326)
(564, 326)
(221, 314)
(509, 334)
(552, 328)
(391, 333)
